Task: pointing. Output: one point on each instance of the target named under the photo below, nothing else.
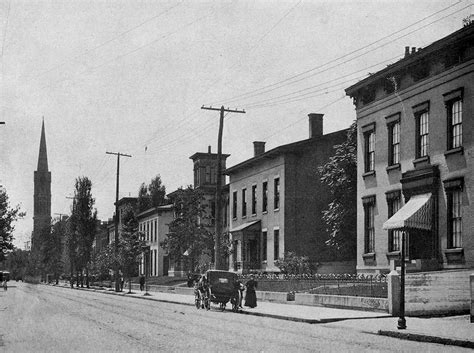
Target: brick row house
(415, 158)
(276, 201)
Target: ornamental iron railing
(374, 286)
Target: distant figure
(142, 283)
(121, 283)
(239, 289)
(5, 285)
(251, 296)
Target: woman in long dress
(250, 295)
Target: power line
(283, 82)
(107, 41)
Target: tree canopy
(339, 174)
(188, 237)
(8, 216)
(151, 195)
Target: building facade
(42, 194)
(154, 225)
(415, 158)
(277, 199)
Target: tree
(8, 216)
(188, 238)
(131, 245)
(151, 195)
(52, 249)
(83, 226)
(17, 263)
(339, 174)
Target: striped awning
(415, 214)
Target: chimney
(209, 149)
(258, 148)
(315, 125)
(413, 50)
(407, 51)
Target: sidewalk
(455, 330)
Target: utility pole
(219, 264)
(116, 222)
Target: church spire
(43, 155)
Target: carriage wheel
(235, 306)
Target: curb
(427, 338)
(273, 316)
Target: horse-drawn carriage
(218, 287)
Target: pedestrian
(239, 289)
(5, 285)
(250, 295)
(142, 282)
(121, 283)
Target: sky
(131, 76)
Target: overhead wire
(107, 41)
(292, 80)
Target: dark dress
(250, 295)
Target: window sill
(234, 219)
(393, 255)
(424, 159)
(454, 255)
(244, 217)
(276, 210)
(457, 150)
(393, 167)
(369, 173)
(264, 212)
(369, 258)
(254, 215)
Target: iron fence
(374, 286)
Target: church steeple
(42, 196)
(43, 154)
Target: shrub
(293, 264)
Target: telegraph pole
(219, 265)
(116, 222)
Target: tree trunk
(87, 277)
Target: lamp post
(402, 323)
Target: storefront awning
(243, 226)
(415, 214)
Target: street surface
(40, 318)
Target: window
(276, 193)
(455, 124)
(264, 196)
(422, 134)
(254, 199)
(394, 203)
(369, 229)
(453, 101)
(213, 175)
(454, 190)
(213, 212)
(276, 244)
(264, 245)
(244, 203)
(156, 230)
(394, 143)
(208, 175)
(234, 204)
(369, 141)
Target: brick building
(276, 200)
(415, 158)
